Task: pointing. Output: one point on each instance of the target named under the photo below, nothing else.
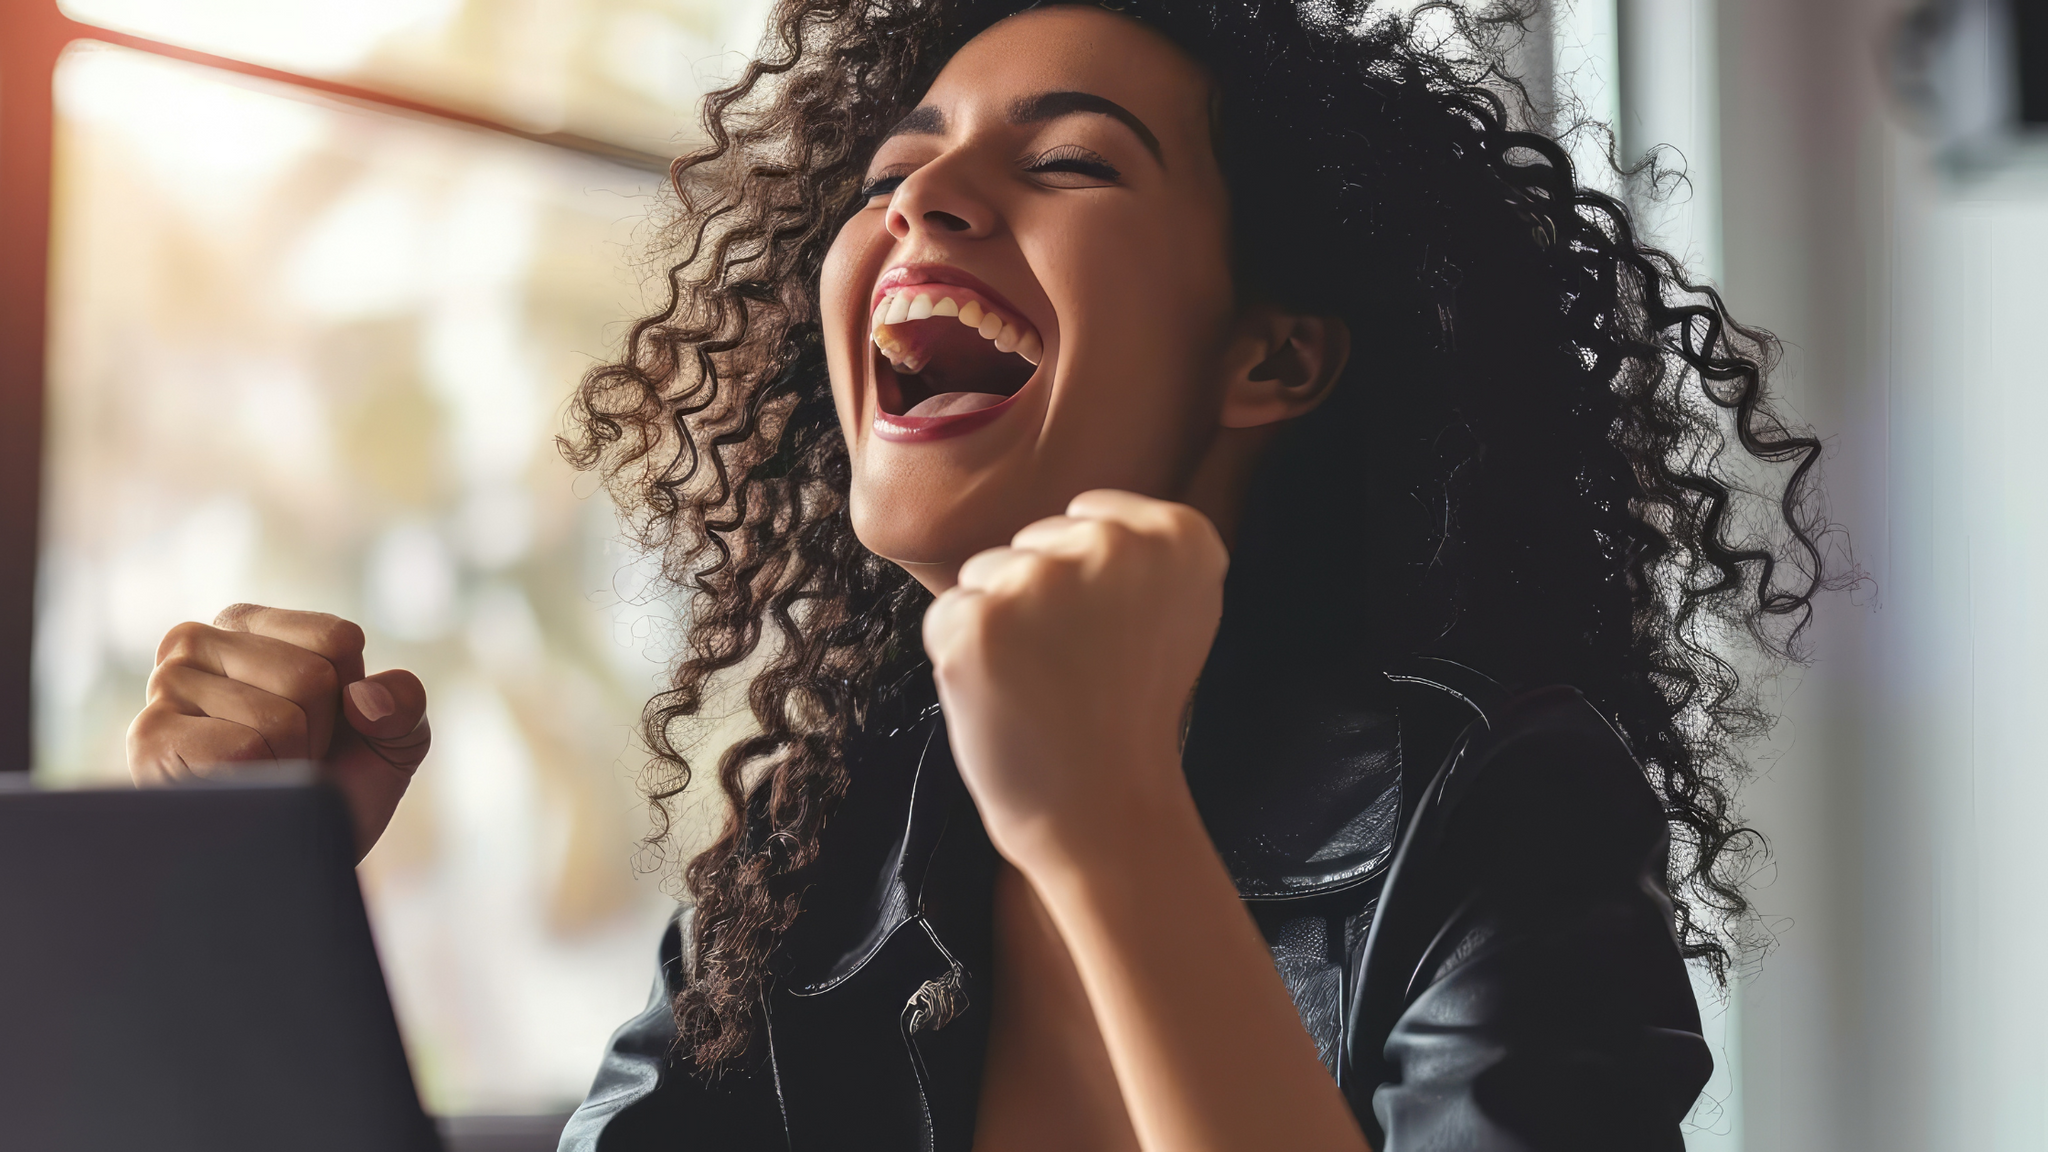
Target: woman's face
(1036, 299)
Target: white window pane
(314, 357)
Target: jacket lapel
(878, 1017)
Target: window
(310, 324)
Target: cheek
(1150, 306)
(838, 281)
(1192, 262)
(1164, 270)
(850, 267)
(1150, 300)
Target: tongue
(955, 403)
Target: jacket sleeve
(1543, 1002)
(647, 1095)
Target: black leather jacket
(1464, 893)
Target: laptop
(190, 969)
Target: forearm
(1208, 1049)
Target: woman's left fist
(1065, 663)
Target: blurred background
(321, 274)
(309, 347)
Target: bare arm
(1208, 1048)
(1064, 662)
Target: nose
(937, 201)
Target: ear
(1280, 365)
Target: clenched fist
(1065, 662)
(267, 684)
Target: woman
(995, 338)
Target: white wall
(1903, 1005)
(1810, 167)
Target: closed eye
(1072, 166)
(1067, 166)
(881, 186)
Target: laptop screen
(192, 969)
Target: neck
(1216, 486)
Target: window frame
(33, 37)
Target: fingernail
(372, 699)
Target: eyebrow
(924, 120)
(927, 120)
(1053, 105)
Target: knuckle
(152, 752)
(313, 679)
(1031, 572)
(284, 725)
(160, 686)
(339, 636)
(1216, 558)
(270, 713)
(998, 618)
(146, 733)
(1115, 542)
(147, 769)
(183, 642)
(962, 617)
(245, 744)
(943, 618)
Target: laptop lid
(192, 969)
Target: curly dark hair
(1539, 461)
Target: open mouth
(946, 350)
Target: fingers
(385, 739)
(946, 624)
(997, 569)
(1096, 508)
(1129, 507)
(1062, 535)
(303, 677)
(1146, 515)
(280, 723)
(1080, 530)
(389, 711)
(1098, 524)
(270, 684)
(338, 641)
(990, 585)
(169, 747)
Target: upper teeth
(910, 304)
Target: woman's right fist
(267, 684)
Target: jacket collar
(1296, 771)
(1296, 768)
(877, 852)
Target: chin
(911, 530)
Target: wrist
(1145, 824)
